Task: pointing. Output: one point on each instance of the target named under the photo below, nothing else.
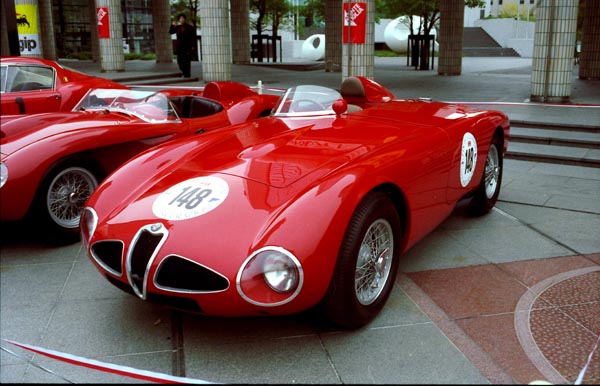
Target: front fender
(312, 226)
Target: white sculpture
(397, 31)
(313, 48)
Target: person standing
(185, 45)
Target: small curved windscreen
(149, 106)
(306, 100)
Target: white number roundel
(190, 198)
(468, 159)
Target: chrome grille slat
(142, 251)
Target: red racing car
(34, 85)
(51, 162)
(311, 206)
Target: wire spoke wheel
(374, 262)
(67, 195)
(492, 172)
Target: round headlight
(3, 174)
(270, 277)
(279, 271)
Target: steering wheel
(305, 105)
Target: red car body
(85, 145)
(311, 206)
(34, 85)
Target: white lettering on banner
(100, 15)
(351, 16)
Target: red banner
(355, 22)
(102, 15)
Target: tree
(268, 10)
(427, 10)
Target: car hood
(22, 131)
(281, 155)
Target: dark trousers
(185, 63)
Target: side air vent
(182, 275)
(109, 255)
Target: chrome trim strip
(155, 229)
(285, 252)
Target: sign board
(355, 22)
(27, 27)
(103, 25)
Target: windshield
(149, 106)
(306, 100)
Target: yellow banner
(27, 21)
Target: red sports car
(33, 85)
(311, 206)
(51, 162)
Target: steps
(478, 43)
(555, 144)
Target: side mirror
(340, 106)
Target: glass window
(29, 78)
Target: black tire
(486, 195)
(346, 304)
(61, 198)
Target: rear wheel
(487, 193)
(62, 197)
(367, 264)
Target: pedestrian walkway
(510, 297)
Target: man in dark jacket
(185, 45)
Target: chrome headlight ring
(270, 276)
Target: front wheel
(487, 193)
(367, 264)
(61, 201)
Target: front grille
(109, 255)
(142, 251)
(179, 274)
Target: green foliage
(135, 55)
(81, 55)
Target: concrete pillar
(240, 31)
(112, 57)
(161, 21)
(94, 31)
(452, 14)
(29, 28)
(589, 58)
(333, 32)
(216, 43)
(4, 44)
(358, 58)
(553, 48)
(47, 37)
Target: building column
(4, 43)
(161, 21)
(358, 52)
(240, 31)
(334, 18)
(47, 38)
(589, 57)
(94, 31)
(112, 56)
(216, 41)
(452, 13)
(553, 49)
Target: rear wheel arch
(56, 230)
